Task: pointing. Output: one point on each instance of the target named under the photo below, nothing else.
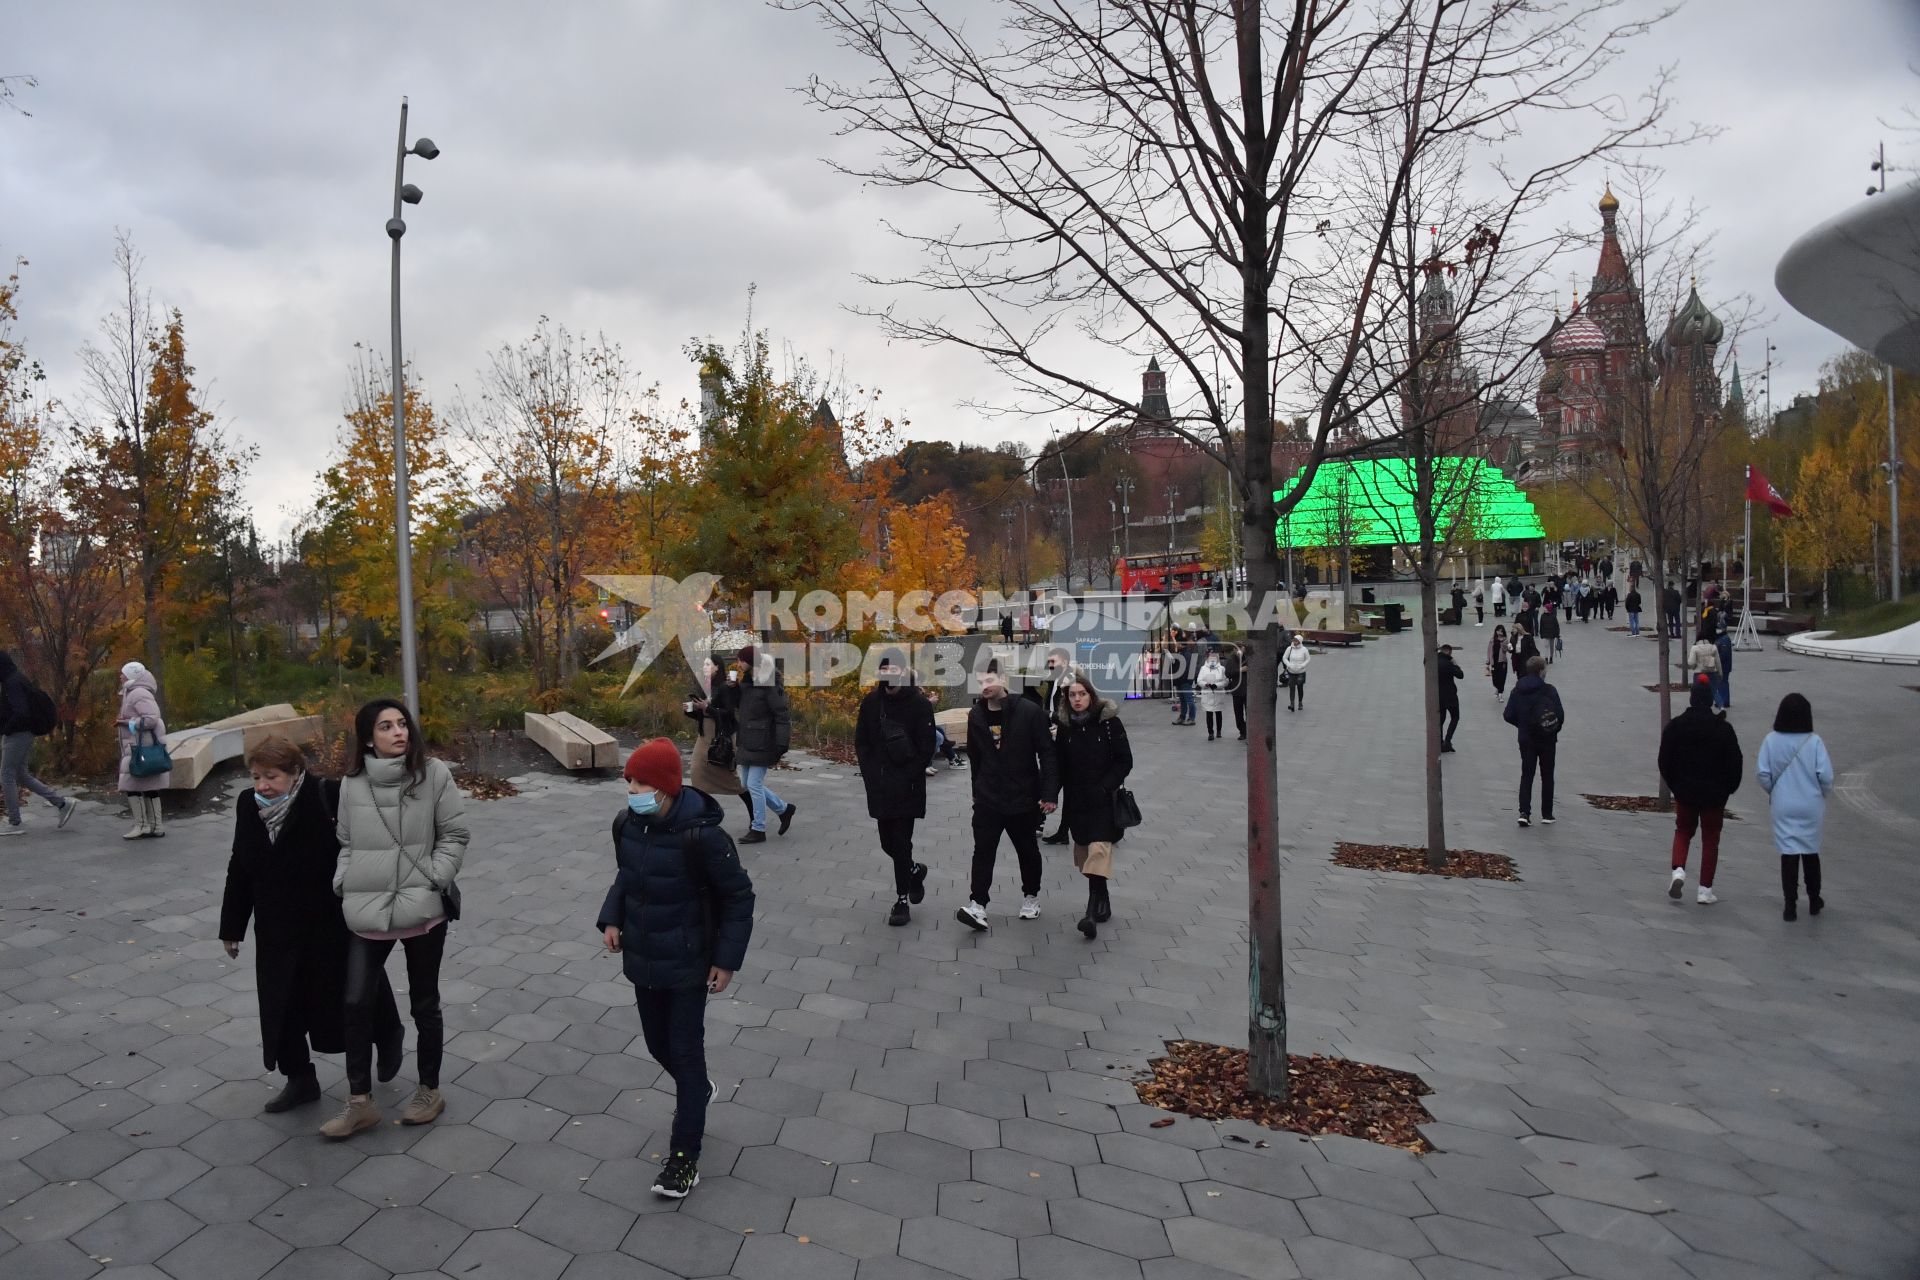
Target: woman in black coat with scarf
(1095, 759)
(893, 741)
(281, 877)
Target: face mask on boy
(644, 805)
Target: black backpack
(1545, 721)
(42, 716)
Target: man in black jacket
(1450, 677)
(1010, 751)
(1701, 762)
(1237, 686)
(16, 750)
(893, 741)
(1050, 695)
(1534, 710)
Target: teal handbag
(148, 758)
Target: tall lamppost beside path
(404, 192)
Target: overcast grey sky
(633, 167)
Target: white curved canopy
(1858, 274)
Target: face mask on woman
(267, 802)
(644, 805)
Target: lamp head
(395, 228)
(411, 194)
(424, 148)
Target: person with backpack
(766, 730)
(1701, 764)
(280, 878)
(139, 723)
(26, 713)
(1095, 759)
(1011, 757)
(679, 915)
(1535, 712)
(893, 739)
(1797, 774)
(403, 835)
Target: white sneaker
(1679, 884)
(1705, 897)
(1029, 908)
(12, 828)
(973, 915)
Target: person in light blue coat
(1795, 770)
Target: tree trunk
(1266, 1004)
(1430, 702)
(1657, 557)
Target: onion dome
(1694, 324)
(1552, 380)
(1577, 337)
(1609, 203)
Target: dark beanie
(656, 764)
(746, 655)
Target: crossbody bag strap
(399, 844)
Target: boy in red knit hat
(680, 913)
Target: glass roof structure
(1376, 496)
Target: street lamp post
(1126, 514)
(1173, 496)
(1893, 492)
(407, 193)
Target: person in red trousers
(1700, 760)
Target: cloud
(632, 169)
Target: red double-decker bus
(1166, 572)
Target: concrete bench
(1782, 624)
(572, 741)
(197, 751)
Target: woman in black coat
(893, 741)
(1094, 760)
(281, 877)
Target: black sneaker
(1058, 837)
(1525, 821)
(918, 893)
(1790, 913)
(754, 837)
(1815, 905)
(678, 1176)
(900, 914)
(1547, 818)
(786, 819)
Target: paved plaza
(1624, 1086)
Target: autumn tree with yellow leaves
(153, 465)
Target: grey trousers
(16, 749)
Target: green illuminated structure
(1372, 498)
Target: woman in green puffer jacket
(403, 833)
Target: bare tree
(1166, 177)
(548, 430)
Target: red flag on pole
(1760, 489)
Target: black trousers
(896, 841)
(1297, 690)
(1216, 724)
(1500, 678)
(1240, 708)
(1449, 721)
(366, 960)
(1790, 864)
(987, 830)
(1536, 755)
(673, 1023)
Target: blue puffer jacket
(672, 929)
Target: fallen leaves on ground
(1639, 804)
(1673, 686)
(1326, 1095)
(838, 752)
(1462, 864)
(483, 786)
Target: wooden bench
(197, 751)
(572, 741)
(1333, 639)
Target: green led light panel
(1374, 498)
